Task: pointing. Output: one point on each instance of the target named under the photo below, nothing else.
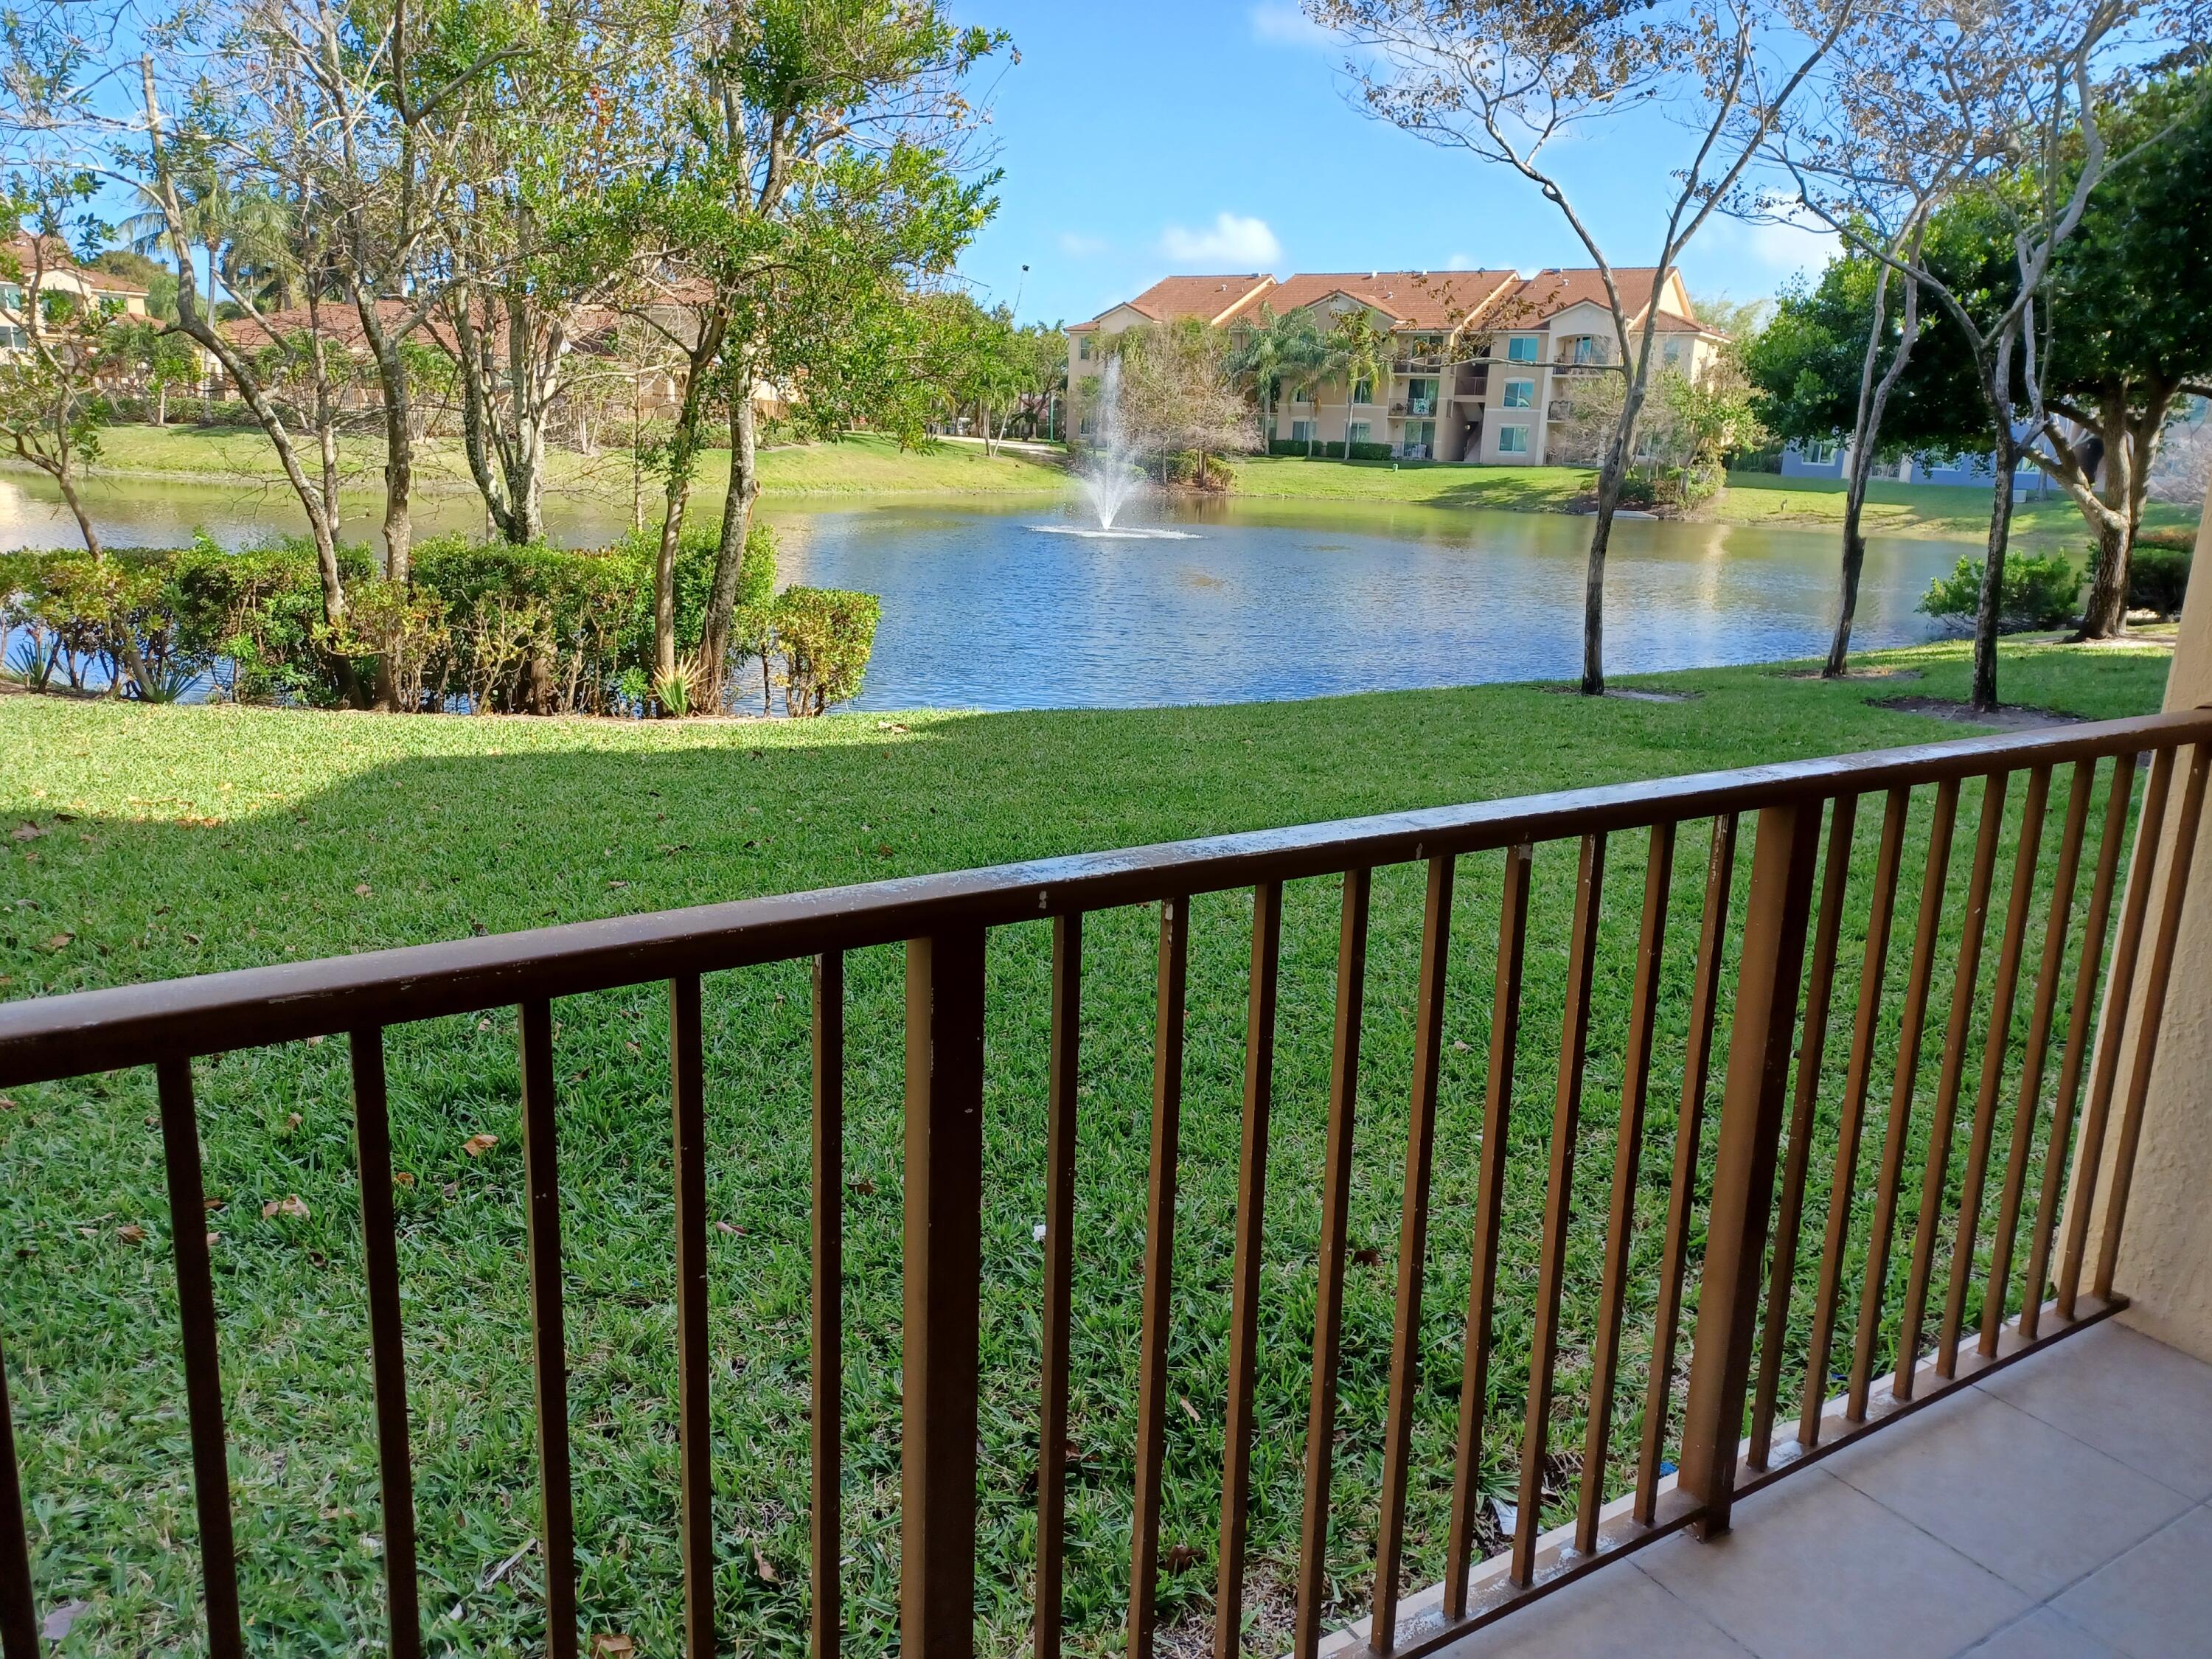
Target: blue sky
(1144, 137)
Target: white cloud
(1231, 240)
(1079, 246)
(1461, 262)
(1284, 23)
(1755, 256)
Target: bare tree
(1507, 81)
(1999, 103)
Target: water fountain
(1109, 474)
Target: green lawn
(1517, 489)
(861, 463)
(188, 840)
(1933, 510)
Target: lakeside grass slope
(182, 839)
(859, 464)
(864, 464)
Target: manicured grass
(2042, 523)
(188, 840)
(858, 464)
(1516, 489)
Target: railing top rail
(45, 1038)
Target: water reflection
(1264, 601)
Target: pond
(1247, 601)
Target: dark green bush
(2158, 577)
(485, 626)
(2037, 592)
(826, 635)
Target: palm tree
(1281, 350)
(1358, 349)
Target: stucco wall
(2166, 1250)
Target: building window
(1363, 391)
(1302, 432)
(14, 336)
(1520, 394)
(12, 296)
(1513, 440)
(1820, 454)
(1083, 348)
(1522, 349)
(1671, 354)
(1361, 432)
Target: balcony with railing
(1734, 1121)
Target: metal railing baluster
(1489, 1204)
(1998, 1044)
(557, 1536)
(1913, 1024)
(1936, 1173)
(1682, 1187)
(1559, 1202)
(1159, 1273)
(1060, 1096)
(1336, 1230)
(1627, 1163)
(1412, 1251)
(387, 1351)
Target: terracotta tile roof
(59, 259)
(1414, 300)
(1215, 299)
(1548, 293)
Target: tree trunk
(1874, 401)
(2105, 608)
(1990, 612)
(126, 640)
(1612, 475)
(737, 525)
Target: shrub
(2158, 577)
(74, 613)
(2036, 592)
(826, 635)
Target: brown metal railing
(1775, 973)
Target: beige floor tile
(2156, 1602)
(1814, 1567)
(2042, 1635)
(1617, 1612)
(2033, 1505)
(2131, 1398)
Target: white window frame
(1524, 349)
(1526, 400)
(1513, 440)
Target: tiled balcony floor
(2059, 1509)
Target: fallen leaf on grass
(27, 832)
(59, 941)
(211, 1205)
(1182, 1556)
(192, 939)
(612, 1647)
(62, 1619)
(1188, 1410)
(131, 1233)
(292, 1122)
(613, 884)
(362, 890)
(214, 1239)
(763, 1566)
(289, 1204)
(1368, 1258)
(477, 1146)
(724, 1227)
(6, 1104)
(862, 1188)
(1458, 1047)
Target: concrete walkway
(2061, 1509)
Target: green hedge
(2158, 577)
(1330, 451)
(481, 627)
(2034, 592)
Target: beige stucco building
(1481, 360)
(48, 268)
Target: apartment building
(48, 267)
(1482, 361)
